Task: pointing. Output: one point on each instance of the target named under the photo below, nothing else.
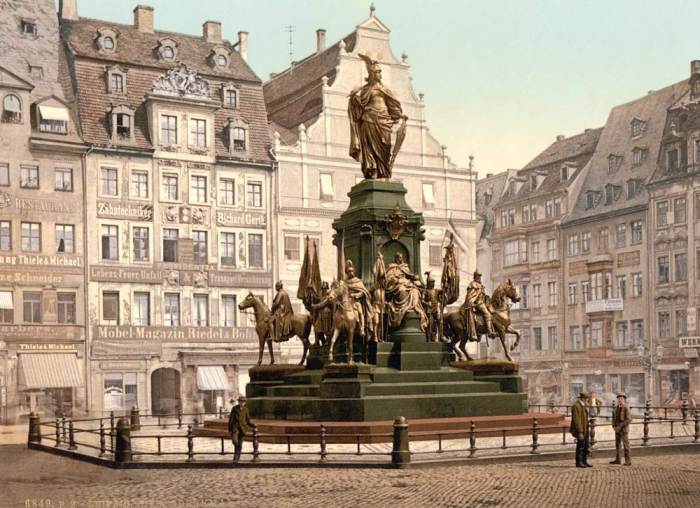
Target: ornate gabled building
(607, 291)
(525, 247)
(307, 106)
(42, 294)
(674, 251)
(179, 209)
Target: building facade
(179, 210)
(42, 256)
(307, 106)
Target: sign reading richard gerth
(174, 334)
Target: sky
(501, 78)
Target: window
(110, 307)
(292, 248)
(679, 211)
(239, 139)
(428, 195)
(7, 309)
(681, 323)
(168, 130)
(536, 296)
(572, 293)
(609, 194)
(53, 119)
(633, 188)
(537, 334)
(199, 244)
(141, 315)
(552, 293)
(575, 337)
(535, 252)
(230, 98)
(139, 184)
(596, 286)
(621, 339)
(31, 236)
(515, 252)
(327, 193)
(662, 213)
(31, 306)
(201, 310)
(120, 391)
(140, 243)
(255, 250)
(614, 163)
(549, 208)
(552, 338)
(636, 229)
(65, 235)
(168, 52)
(680, 272)
(590, 200)
(637, 326)
(12, 109)
(228, 310)
(254, 192)
(621, 286)
(108, 43)
(227, 191)
(586, 291)
(5, 235)
(672, 160)
(171, 314)
(564, 173)
(551, 249)
(525, 340)
(524, 296)
(620, 235)
(110, 242)
(586, 241)
(435, 254)
(228, 249)
(586, 335)
(508, 217)
(603, 240)
(64, 179)
(170, 245)
(29, 177)
(116, 83)
(123, 125)
(637, 284)
(198, 133)
(573, 245)
(596, 334)
(637, 128)
(526, 214)
(221, 60)
(28, 27)
(662, 271)
(198, 189)
(108, 182)
(664, 324)
(170, 190)
(4, 175)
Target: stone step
(445, 374)
(301, 390)
(413, 360)
(444, 387)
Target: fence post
(696, 434)
(122, 453)
(58, 433)
(221, 412)
(190, 444)
(256, 443)
(65, 430)
(647, 416)
(112, 430)
(34, 429)
(535, 435)
(179, 418)
(323, 443)
(135, 418)
(684, 411)
(400, 453)
(71, 436)
(102, 437)
(591, 430)
(472, 439)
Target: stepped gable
(136, 53)
(617, 141)
(294, 96)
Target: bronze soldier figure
(622, 418)
(322, 314)
(282, 313)
(433, 304)
(476, 301)
(239, 423)
(361, 296)
(579, 429)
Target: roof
(567, 148)
(294, 95)
(616, 140)
(492, 185)
(680, 123)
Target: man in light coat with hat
(622, 417)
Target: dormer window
(116, 80)
(11, 109)
(122, 124)
(229, 96)
(564, 173)
(106, 40)
(168, 53)
(53, 119)
(108, 43)
(238, 135)
(239, 139)
(637, 127)
(167, 49)
(29, 27)
(638, 156)
(218, 57)
(533, 182)
(221, 61)
(614, 163)
(672, 160)
(608, 194)
(117, 83)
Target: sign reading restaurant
(685, 342)
(129, 211)
(174, 333)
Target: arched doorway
(165, 391)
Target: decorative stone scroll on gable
(181, 81)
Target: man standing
(579, 429)
(594, 402)
(622, 418)
(473, 302)
(239, 423)
(282, 313)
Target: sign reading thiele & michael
(174, 333)
(120, 210)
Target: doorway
(165, 391)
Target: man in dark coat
(579, 429)
(622, 417)
(239, 424)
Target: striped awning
(53, 113)
(211, 378)
(49, 370)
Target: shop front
(47, 384)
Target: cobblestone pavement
(35, 479)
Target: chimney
(320, 40)
(489, 175)
(561, 137)
(587, 130)
(694, 67)
(211, 31)
(143, 18)
(68, 9)
(243, 45)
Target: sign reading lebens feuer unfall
(175, 334)
(233, 218)
(182, 275)
(119, 210)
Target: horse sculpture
(345, 320)
(455, 329)
(301, 327)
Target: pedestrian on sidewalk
(622, 417)
(239, 423)
(579, 429)
(595, 403)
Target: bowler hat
(241, 398)
(583, 395)
(622, 394)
